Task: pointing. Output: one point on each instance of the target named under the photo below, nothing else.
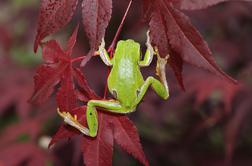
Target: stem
(112, 45)
(65, 59)
(77, 59)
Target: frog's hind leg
(91, 115)
(161, 88)
(73, 121)
(157, 86)
(148, 54)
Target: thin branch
(112, 45)
(80, 58)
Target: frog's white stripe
(103, 53)
(104, 57)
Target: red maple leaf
(198, 4)
(53, 15)
(98, 151)
(172, 32)
(95, 18)
(58, 69)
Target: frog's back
(125, 76)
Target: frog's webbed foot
(148, 44)
(161, 67)
(148, 56)
(73, 121)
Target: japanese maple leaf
(98, 151)
(198, 4)
(54, 15)
(172, 32)
(96, 15)
(58, 69)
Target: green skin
(125, 83)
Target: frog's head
(128, 48)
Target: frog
(125, 82)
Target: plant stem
(112, 45)
(77, 59)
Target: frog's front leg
(104, 54)
(148, 54)
(161, 88)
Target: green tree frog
(125, 83)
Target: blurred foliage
(178, 132)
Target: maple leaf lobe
(126, 135)
(172, 32)
(96, 15)
(53, 16)
(198, 4)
